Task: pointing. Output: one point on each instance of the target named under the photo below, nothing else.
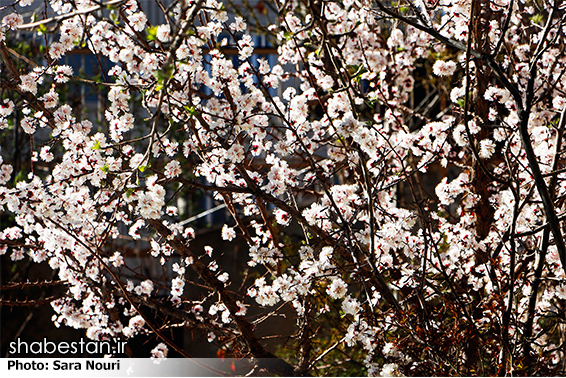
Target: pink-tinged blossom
(12, 233)
(28, 83)
(197, 309)
(497, 94)
(282, 217)
(159, 352)
(135, 229)
(173, 169)
(136, 161)
(144, 288)
(447, 192)
(46, 154)
(559, 102)
(487, 148)
(246, 47)
(17, 254)
(150, 202)
(561, 291)
(28, 124)
(239, 25)
(12, 21)
(177, 286)
(116, 259)
(213, 310)
(5, 173)
(135, 325)
(178, 269)
(189, 234)
(63, 73)
(242, 309)
(228, 233)
(137, 21)
(266, 296)
(390, 370)
(322, 171)
(172, 211)
(396, 39)
(57, 50)
(50, 99)
(6, 108)
(223, 277)
(351, 306)
(499, 134)
(474, 127)
(444, 68)
(129, 285)
(164, 33)
(337, 289)
(457, 93)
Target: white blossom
(444, 68)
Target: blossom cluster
(390, 180)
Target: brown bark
(480, 108)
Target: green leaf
(152, 33)
(105, 168)
(42, 29)
(21, 176)
(537, 18)
(114, 17)
(191, 110)
(356, 70)
(163, 74)
(142, 168)
(96, 145)
(371, 103)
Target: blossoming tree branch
(417, 146)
